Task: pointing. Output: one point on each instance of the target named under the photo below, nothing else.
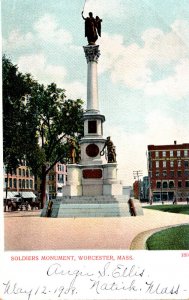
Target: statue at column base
(111, 153)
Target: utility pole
(138, 174)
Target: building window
(24, 172)
(186, 164)
(164, 184)
(157, 163)
(171, 174)
(15, 183)
(51, 188)
(27, 184)
(158, 184)
(179, 184)
(186, 183)
(185, 152)
(179, 163)
(164, 173)
(60, 178)
(51, 177)
(23, 184)
(157, 174)
(171, 153)
(164, 164)
(171, 184)
(10, 182)
(186, 173)
(164, 153)
(59, 190)
(27, 173)
(60, 167)
(178, 152)
(31, 184)
(179, 173)
(171, 163)
(20, 183)
(20, 172)
(157, 153)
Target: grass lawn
(174, 238)
(177, 208)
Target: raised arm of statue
(83, 16)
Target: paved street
(26, 230)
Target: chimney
(175, 142)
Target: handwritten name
(109, 278)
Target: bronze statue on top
(110, 150)
(92, 28)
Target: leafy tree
(15, 86)
(37, 121)
(58, 119)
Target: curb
(139, 242)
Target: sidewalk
(27, 231)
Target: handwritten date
(15, 289)
(110, 278)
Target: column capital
(92, 53)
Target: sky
(143, 69)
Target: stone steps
(90, 210)
(106, 206)
(89, 199)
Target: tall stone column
(92, 54)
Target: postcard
(95, 151)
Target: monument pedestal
(92, 180)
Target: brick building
(168, 170)
(21, 183)
(56, 180)
(136, 189)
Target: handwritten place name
(110, 278)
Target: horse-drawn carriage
(16, 202)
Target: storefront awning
(27, 195)
(16, 194)
(10, 195)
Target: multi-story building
(168, 170)
(20, 182)
(56, 180)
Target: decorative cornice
(88, 116)
(92, 53)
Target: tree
(58, 119)
(15, 86)
(37, 121)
